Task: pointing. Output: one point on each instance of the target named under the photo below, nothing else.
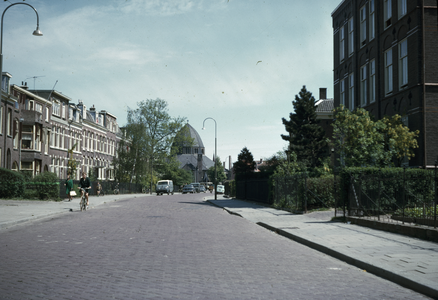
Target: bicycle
(83, 203)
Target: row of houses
(38, 127)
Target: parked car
(188, 189)
(202, 188)
(220, 189)
(196, 185)
(164, 186)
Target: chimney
(322, 93)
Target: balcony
(31, 117)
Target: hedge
(11, 184)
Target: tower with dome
(191, 156)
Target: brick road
(171, 247)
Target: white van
(164, 186)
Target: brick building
(38, 127)
(385, 60)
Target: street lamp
(215, 154)
(36, 32)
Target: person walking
(99, 188)
(68, 187)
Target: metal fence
(300, 193)
(253, 190)
(412, 198)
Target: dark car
(202, 189)
(189, 189)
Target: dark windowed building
(386, 61)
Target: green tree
(399, 138)
(149, 135)
(221, 177)
(171, 170)
(72, 164)
(245, 162)
(360, 141)
(306, 137)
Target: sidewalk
(13, 212)
(407, 261)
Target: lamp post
(215, 154)
(36, 32)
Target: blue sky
(240, 62)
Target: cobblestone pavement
(171, 247)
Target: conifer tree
(245, 162)
(306, 137)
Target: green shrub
(418, 185)
(30, 193)
(11, 184)
(321, 192)
(230, 188)
(47, 185)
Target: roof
(188, 129)
(324, 105)
(187, 159)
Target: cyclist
(84, 183)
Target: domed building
(192, 155)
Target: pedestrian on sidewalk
(99, 188)
(68, 187)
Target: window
(38, 108)
(58, 137)
(9, 122)
(16, 135)
(62, 134)
(47, 114)
(342, 92)
(402, 8)
(341, 44)
(403, 63)
(350, 37)
(52, 139)
(351, 91)
(27, 165)
(46, 141)
(5, 83)
(387, 13)
(1, 119)
(373, 81)
(27, 137)
(363, 85)
(63, 111)
(372, 20)
(363, 26)
(38, 138)
(56, 109)
(388, 71)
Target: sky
(240, 62)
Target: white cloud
(167, 7)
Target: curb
(378, 271)
(7, 225)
